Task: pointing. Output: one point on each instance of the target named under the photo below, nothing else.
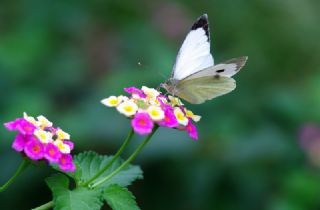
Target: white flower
(43, 136)
(123, 98)
(112, 101)
(150, 92)
(128, 108)
(175, 101)
(31, 119)
(64, 148)
(156, 113)
(44, 122)
(194, 117)
(136, 96)
(62, 135)
(182, 119)
(154, 102)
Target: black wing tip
(202, 22)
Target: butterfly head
(169, 85)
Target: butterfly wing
(210, 82)
(225, 69)
(194, 76)
(194, 54)
(198, 90)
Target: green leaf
(80, 198)
(89, 163)
(76, 173)
(120, 198)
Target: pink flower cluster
(147, 107)
(39, 140)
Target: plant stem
(115, 157)
(25, 163)
(119, 152)
(124, 164)
(45, 206)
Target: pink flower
(192, 130)
(66, 164)
(142, 123)
(12, 125)
(52, 153)
(21, 125)
(41, 141)
(162, 97)
(19, 142)
(34, 149)
(163, 104)
(151, 107)
(134, 90)
(26, 127)
(69, 143)
(169, 120)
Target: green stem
(21, 168)
(50, 204)
(124, 164)
(115, 157)
(45, 206)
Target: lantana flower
(155, 112)
(147, 107)
(181, 117)
(39, 140)
(142, 123)
(128, 108)
(112, 101)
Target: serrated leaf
(89, 163)
(120, 198)
(80, 198)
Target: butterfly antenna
(162, 75)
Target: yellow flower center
(189, 114)
(62, 135)
(114, 101)
(128, 108)
(180, 116)
(42, 136)
(61, 146)
(154, 113)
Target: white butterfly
(194, 77)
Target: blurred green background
(60, 58)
